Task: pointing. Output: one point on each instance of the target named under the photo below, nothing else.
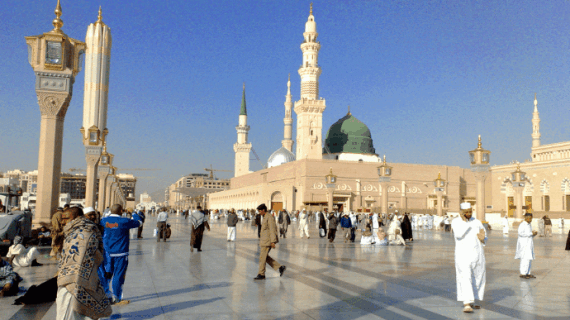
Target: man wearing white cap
(470, 236)
(525, 246)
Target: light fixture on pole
(384, 177)
(439, 185)
(480, 158)
(518, 178)
(331, 186)
(56, 60)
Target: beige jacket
(268, 231)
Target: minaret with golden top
(95, 100)
(310, 107)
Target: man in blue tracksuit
(116, 244)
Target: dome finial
(311, 11)
(479, 143)
(57, 22)
(439, 175)
(349, 114)
(100, 16)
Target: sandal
(467, 309)
(530, 276)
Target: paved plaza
(322, 281)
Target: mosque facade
(297, 181)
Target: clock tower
(310, 107)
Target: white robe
(303, 224)
(470, 271)
(23, 256)
(375, 224)
(525, 243)
(505, 225)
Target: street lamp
(331, 186)
(56, 60)
(104, 169)
(480, 158)
(384, 174)
(518, 178)
(439, 185)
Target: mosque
(297, 180)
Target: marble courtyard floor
(322, 281)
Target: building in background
(190, 190)
(128, 183)
(73, 184)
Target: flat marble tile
(323, 280)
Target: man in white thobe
(505, 224)
(375, 226)
(303, 224)
(470, 236)
(525, 246)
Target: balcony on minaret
(310, 105)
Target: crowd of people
(92, 248)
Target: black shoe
(199, 250)
(259, 277)
(281, 270)
(35, 263)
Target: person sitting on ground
(9, 279)
(382, 241)
(44, 236)
(20, 256)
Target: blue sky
(426, 76)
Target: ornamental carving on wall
(53, 104)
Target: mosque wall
(547, 190)
(302, 184)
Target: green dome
(349, 135)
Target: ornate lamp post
(104, 169)
(331, 186)
(384, 174)
(480, 166)
(519, 177)
(56, 60)
(439, 185)
(111, 178)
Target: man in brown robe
(267, 242)
(199, 221)
(56, 234)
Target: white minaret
(535, 125)
(288, 142)
(310, 108)
(94, 130)
(242, 148)
(97, 67)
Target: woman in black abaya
(407, 228)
